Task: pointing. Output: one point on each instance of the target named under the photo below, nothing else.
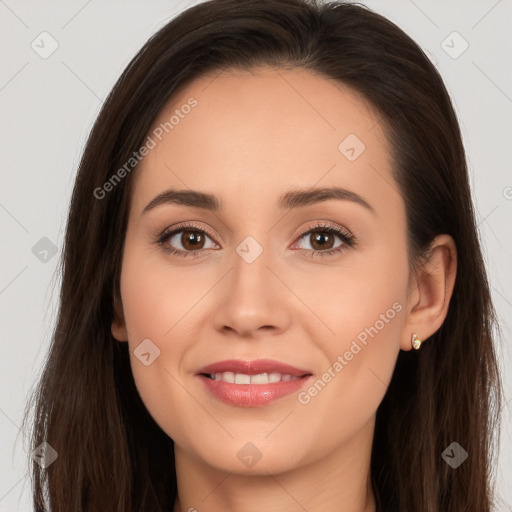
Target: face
(316, 281)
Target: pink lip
(252, 395)
(253, 367)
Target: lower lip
(251, 395)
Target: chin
(251, 455)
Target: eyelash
(347, 238)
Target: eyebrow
(289, 200)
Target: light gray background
(47, 107)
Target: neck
(338, 482)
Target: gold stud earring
(415, 342)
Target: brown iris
(319, 238)
(195, 238)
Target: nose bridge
(251, 297)
(250, 266)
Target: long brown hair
(112, 456)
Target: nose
(252, 299)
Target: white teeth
(262, 378)
(274, 377)
(228, 377)
(240, 378)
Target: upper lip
(253, 367)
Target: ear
(118, 326)
(430, 291)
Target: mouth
(244, 378)
(254, 368)
(252, 383)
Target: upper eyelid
(324, 224)
(174, 231)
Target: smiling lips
(252, 383)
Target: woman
(273, 294)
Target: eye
(185, 240)
(190, 240)
(322, 238)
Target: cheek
(360, 300)
(365, 313)
(156, 297)
(158, 307)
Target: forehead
(267, 129)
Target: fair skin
(253, 137)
